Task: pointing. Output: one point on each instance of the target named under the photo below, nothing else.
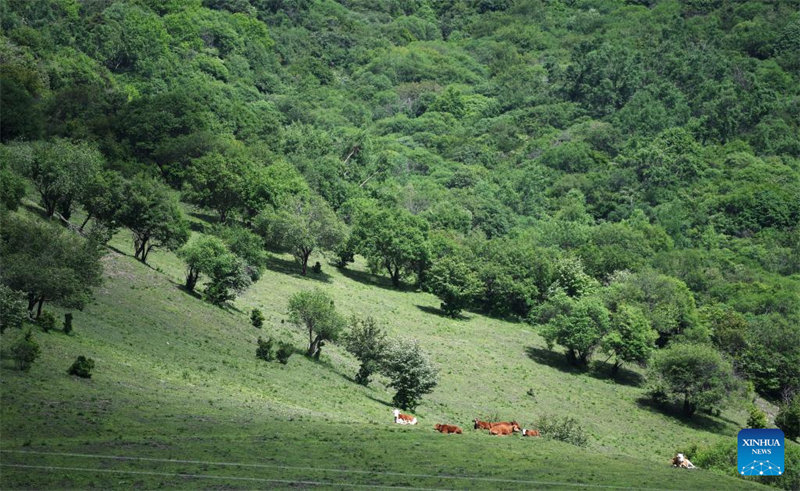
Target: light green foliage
(453, 281)
(577, 324)
(217, 183)
(245, 244)
(12, 308)
(756, 418)
(12, 186)
(264, 350)
(630, 338)
(201, 256)
(393, 239)
(564, 428)
(47, 263)
(694, 375)
(314, 311)
(101, 196)
(153, 215)
(411, 373)
(227, 279)
(367, 342)
(301, 226)
(47, 321)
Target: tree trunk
(88, 217)
(49, 207)
(31, 303)
(688, 408)
(145, 252)
(615, 368)
(39, 308)
(315, 347)
(304, 260)
(394, 274)
(191, 279)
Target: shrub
(24, 351)
(68, 323)
(411, 372)
(257, 318)
(367, 342)
(82, 367)
(264, 350)
(757, 418)
(316, 268)
(47, 321)
(12, 309)
(566, 429)
(788, 418)
(285, 350)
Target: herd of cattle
(499, 428)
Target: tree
(454, 282)
(60, 171)
(630, 338)
(367, 342)
(200, 256)
(12, 187)
(217, 183)
(228, 278)
(248, 246)
(12, 308)
(101, 197)
(47, 263)
(694, 374)
(788, 418)
(24, 351)
(578, 325)
(411, 373)
(393, 238)
(301, 226)
(314, 310)
(153, 216)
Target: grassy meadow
(177, 391)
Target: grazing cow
(403, 419)
(449, 429)
(530, 432)
(482, 425)
(504, 428)
(682, 462)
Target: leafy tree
(24, 351)
(394, 239)
(264, 350)
(757, 418)
(454, 282)
(101, 197)
(153, 216)
(47, 263)
(216, 183)
(367, 342)
(200, 256)
(302, 226)
(630, 338)
(578, 325)
(12, 187)
(246, 245)
(228, 278)
(788, 418)
(314, 311)
(81, 367)
(694, 374)
(411, 373)
(12, 308)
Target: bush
(788, 418)
(47, 321)
(257, 318)
(566, 429)
(12, 309)
(82, 367)
(757, 418)
(68, 323)
(367, 342)
(411, 372)
(24, 351)
(264, 350)
(316, 268)
(285, 350)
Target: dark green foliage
(694, 375)
(564, 428)
(12, 187)
(12, 309)
(24, 351)
(82, 367)
(47, 321)
(227, 279)
(314, 311)
(630, 338)
(411, 373)
(578, 325)
(788, 418)
(256, 318)
(285, 350)
(452, 280)
(367, 342)
(264, 350)
(67, 323)
(316, 268)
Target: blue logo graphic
(761, 453)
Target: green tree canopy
(314, 311)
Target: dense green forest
(623, 175)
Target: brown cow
(403, 419)
(530, 432)
(448, 429)
(504, 428)
(482, 425)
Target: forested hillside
(620, 177)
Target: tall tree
(314, 311)
(630, 338)
(411, 373)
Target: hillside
(177, 378)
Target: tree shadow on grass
(698, 421)
(208, 218)
(291, 268)
(597, 369)
(433, 310)
(367, 278)
(379, 401)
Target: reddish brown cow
(448, 429)
(482, 425)
(530, 432)
(504, 428)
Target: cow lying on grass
(500, 429)
(682, 462)
(403, 419)
(530, 432)
(482, 425)
(448, 429)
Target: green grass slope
(178, 399)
